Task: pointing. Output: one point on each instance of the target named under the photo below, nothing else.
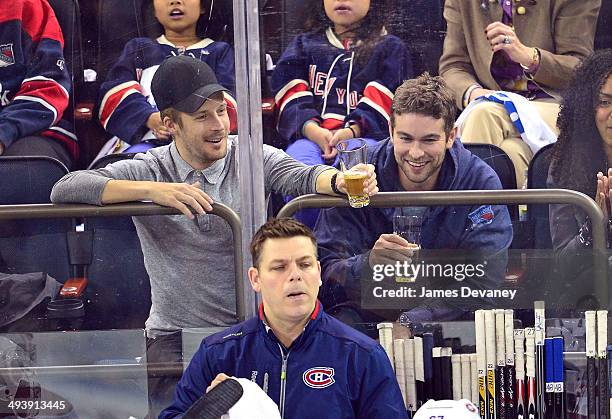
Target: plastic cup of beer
(409, 227)
(353, 154)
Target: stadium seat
(32, 245)
(110, 158)
(118, 288)
(538, 213)
(498, 160)
(501, 163)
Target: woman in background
(582, 161)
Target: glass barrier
(550, 306)
(113, 49)
(460, 271)
(86, 276)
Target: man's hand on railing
(181, 196)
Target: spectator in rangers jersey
(337, 81)
(310, 364)
(34, 83)
(128, 110)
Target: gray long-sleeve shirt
(189, 262)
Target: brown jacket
(563, 31)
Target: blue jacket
(34, 80)
(345, 236)
(332, 371)
(317, 60)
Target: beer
(409, 228)
(352, 154)
(415, 255)
(353, 179)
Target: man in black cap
(198, 168)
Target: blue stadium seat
(538, 213)
(498, 160)
(69, 17)
(110, 158)
(501, 163)
(118, 288)
(32, 245)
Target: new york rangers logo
(482, 215)
(6, 55)
(319, 377)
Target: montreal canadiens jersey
(126, 95)
(318, 77)
(34, 80)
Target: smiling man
(189, 258)
(309, 363)
(421, 155)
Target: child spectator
(34, 84)
(127, 109)
(337, 81)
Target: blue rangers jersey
(127, 101)
(34, 80)
(318, 77)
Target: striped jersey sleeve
(35, 83)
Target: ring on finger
(507, 40)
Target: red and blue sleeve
(124, 109)
(37, 56)
(292, 91)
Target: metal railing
(499, 197)
(34, 211)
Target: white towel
(525, 117)
(254, 403)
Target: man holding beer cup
(422, 154)
(198, 168)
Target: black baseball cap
(183, 83)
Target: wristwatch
(334, 187)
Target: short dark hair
(173, 114)
(426, 95)
(278, 228)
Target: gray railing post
(21, 212)
(500, 197)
